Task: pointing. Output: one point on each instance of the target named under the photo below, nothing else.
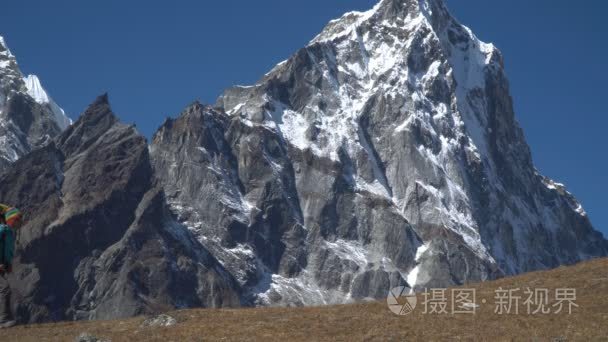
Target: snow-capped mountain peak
(29, 116)
(383, 153)
(411, 107)
(39, 94)
(35, 90)
(5, 53)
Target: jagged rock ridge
(99, 241)
(29, 118)
(385, 152)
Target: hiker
(11, 219)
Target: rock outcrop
(384, 153)
(99, 241)
(29, 118)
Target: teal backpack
(7, 244)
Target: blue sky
(156, 57)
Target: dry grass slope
(371, 321)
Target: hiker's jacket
(7, 245)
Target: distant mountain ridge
(29, 118)
(403, 105)
(384, 153)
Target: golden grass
(371, 321)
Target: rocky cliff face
(287, 224)
(385, 152)
(29, 118)
(99, 241)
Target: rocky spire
(30, 117)
(405, 104)
(93, 123)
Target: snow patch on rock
(39, 94)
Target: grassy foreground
(372, 321)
